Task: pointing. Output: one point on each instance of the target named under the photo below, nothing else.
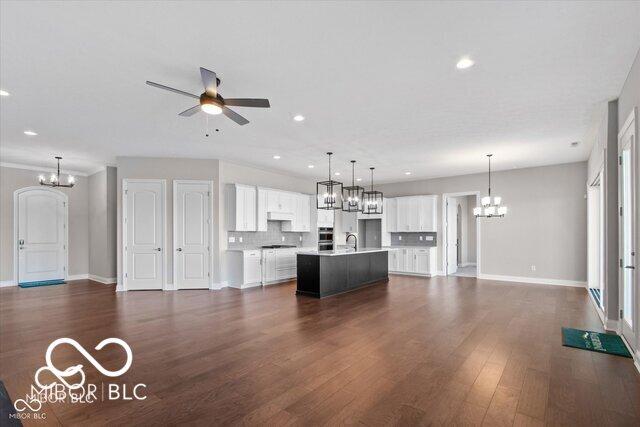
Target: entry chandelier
(372, 200)
(353, 194)
(490, 207)
(54, 179)
(329, 193)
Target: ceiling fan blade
(181, 92)
(247, 102)
(190, 112)
(210, 82)
(234, 116)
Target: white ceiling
(376, 81)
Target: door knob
(631, 267)
(179, 249)
(158, 249)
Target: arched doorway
(40, 217)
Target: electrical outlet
(240, 239)
(429, 238)
(533, 268)
(283, 238)
(421, 238)
(301, 238)
(232, 239)
(399, 237)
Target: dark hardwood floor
(411, 352)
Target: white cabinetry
(413, 260)
(415, 214)
(242, 205)
(268, 265)
(325, 218)
(349, 222)
(301, 209)
(244, 268)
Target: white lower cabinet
(245, 270)
(268, 265)
(413, 260)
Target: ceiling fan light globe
(212, 109)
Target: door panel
(452, 234)
(144, 244)
(41, 236)
(626, 199)
(192, 213)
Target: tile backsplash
(413, 239)
(273, 236)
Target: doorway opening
(595, 236)
(461, 249)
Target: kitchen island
(324, 273)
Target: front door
(144, 243)
(42, 219)
(627, 156)
(452, 237)
(192, 217)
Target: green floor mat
(594, 341)
(41, 283)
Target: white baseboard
(7, 283)
(103, 280)
(78, 277)
(611, 325)
(251, 285)
(120, 288)
(218, 286)
(537, 280)
(636, 360)
(468, 264)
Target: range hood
(280, 216)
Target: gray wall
(102, 224)
(12, 179)
(546, 225)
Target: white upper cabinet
(349, 222)
(325, 218)
(300, 205)
(242, 205)
(414, 214)
(262, 209)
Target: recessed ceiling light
(407, 173)
(276, 157)
(337, 174)
(30, 133)
(310, 166)
(4, 93)
(298, 118)
(464, 63)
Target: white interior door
(626, 199)
(452, 236)
(192, 225)
(144, 243)
(42, 219)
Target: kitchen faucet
(355, 246)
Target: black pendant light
(372, 200)
(329, 193)
(54, 179)
(490, 206)
(352, 196)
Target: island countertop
(337, 252)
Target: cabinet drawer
(252, 254)
(285, 273)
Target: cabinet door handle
(631, 267)
(179, 249)
(158, 249)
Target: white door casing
(40, 224)
(452, 236)
(144, 228)
(192, 226)
(478, 224)
(627, 188)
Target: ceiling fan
(211, 102)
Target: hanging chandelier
(490, 207)
(54, 179)
(329, 193)
(372, 200)
(352, 195)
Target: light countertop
(339, 252)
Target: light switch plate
(283, 238)
(399, 237)
(429, 238)
(232, 239)
(240, 239)
(420, 238)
